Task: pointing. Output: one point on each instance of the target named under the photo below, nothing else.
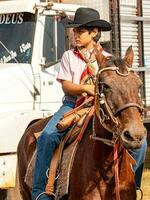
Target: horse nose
(134, 135)
(129, 137)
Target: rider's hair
(97, 37)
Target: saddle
(78, 120)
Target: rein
(128, 105)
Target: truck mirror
(43, 61)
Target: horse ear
(101, 59)
(129, 56)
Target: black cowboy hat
(88, 17)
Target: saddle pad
(29, 173)
(62, 183)
(28, 179)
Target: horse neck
(103, 155)
(101, 150)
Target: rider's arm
(75, 89)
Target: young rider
(87, 27)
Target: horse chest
(93, 195)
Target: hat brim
(102, 24)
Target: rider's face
(84, 38)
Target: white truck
(32, 41)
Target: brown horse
(98, 172)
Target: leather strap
(89, 99)
(52, 173)
(89, 116)
(116, 171)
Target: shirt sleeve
(65, 69)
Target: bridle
(103, 111)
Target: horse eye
(103, 87)
(107, 88)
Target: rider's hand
(89, 89)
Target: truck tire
(3, 194)
(10, 194)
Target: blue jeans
(46, 144)
(139, 156)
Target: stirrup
(40, 195)
(138, 188)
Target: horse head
(118, 101)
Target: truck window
(60, 39)
(54, 39)
(16, 37)
(49, 40)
